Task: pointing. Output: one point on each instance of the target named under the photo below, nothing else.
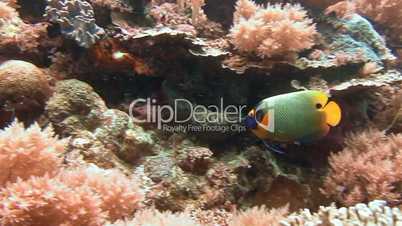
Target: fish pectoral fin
(274, 148)
(333, 113)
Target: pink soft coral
(369, 168)
(14, 32)
(47, 201)
(88, 196)
(155, 218)
(120, 195)
(28, 152)
(385, 12)
(276, 30)
(259, 216)
(245, 9)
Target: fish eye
(318, 106)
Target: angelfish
(297, 117)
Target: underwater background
(162, 112)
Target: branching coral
(76, 19)
(259, 216)
(77, 197)
(276, 30)
(375, 213)
(26, 153)
(156, 218)
(368, 168)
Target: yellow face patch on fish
(331, 109)
(333, 113)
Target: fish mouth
(333, 113)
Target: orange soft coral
(368, 168)
(276, 30)
(86, 197)
(26, 153)
(259, 216)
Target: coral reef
(119, 79)
(48, 193)
(276, 30)
(384, 12)
(115, 5)
(76, 19)
(169, 14)
(109, 55)
(99, 134)
(195, 159)
(367, 169)
(380, 11)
